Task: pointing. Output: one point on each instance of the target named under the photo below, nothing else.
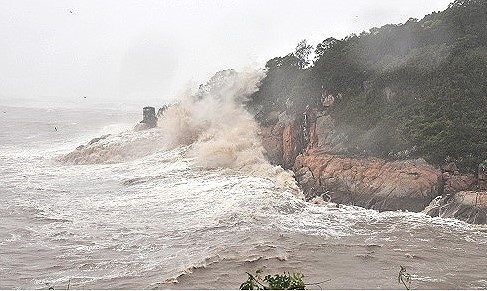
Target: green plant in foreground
(404, 277)
(273, 282)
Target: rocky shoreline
(310, 145)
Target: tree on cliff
(419, 87)
(286, 86)
(302, 53)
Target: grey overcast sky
(146, 51)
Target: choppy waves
(213, 122)
(193, 204)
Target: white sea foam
(161, 210)
(213, 121)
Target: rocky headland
(317, 152)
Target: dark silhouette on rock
(161, 111)
(149, 119)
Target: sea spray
(133, 224)
(116, 148)
(222, 133)
(213, 121)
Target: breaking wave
(212, 121)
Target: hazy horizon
(84, 53)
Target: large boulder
(369, 182)
(469, 206)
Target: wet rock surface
(272, 142)
(310, 145)
(368, 182)
(469, 206)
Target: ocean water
(142, 210)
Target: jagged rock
(293, 142)
(312, 146)
(277, 129)
(305, 179)
(468, 206)
(304, 176)
(284, 140)
(325, 137)
(457, 183)
(320, 132)
(371, 182)
(272, 142)
(273, 148)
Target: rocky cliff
(368, 182)
(311, 145)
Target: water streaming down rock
(319, 152)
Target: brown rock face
(469, 206)
(323, 128)
(324, 135)
(369, 182)
(457, 183)
(283, 141)
(312, 146)
(292, 138)
(272, 142)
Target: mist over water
(222, 133)
(213, 120)
(193, 203)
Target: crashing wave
(213, 121)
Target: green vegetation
(295, 281)
(417, 89)
(275, 282)
(404, 277)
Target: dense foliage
(404, 277)
(418, 88)
(273, 282)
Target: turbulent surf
(193, 203)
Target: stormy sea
(86, 202)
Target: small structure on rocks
(149, 119)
